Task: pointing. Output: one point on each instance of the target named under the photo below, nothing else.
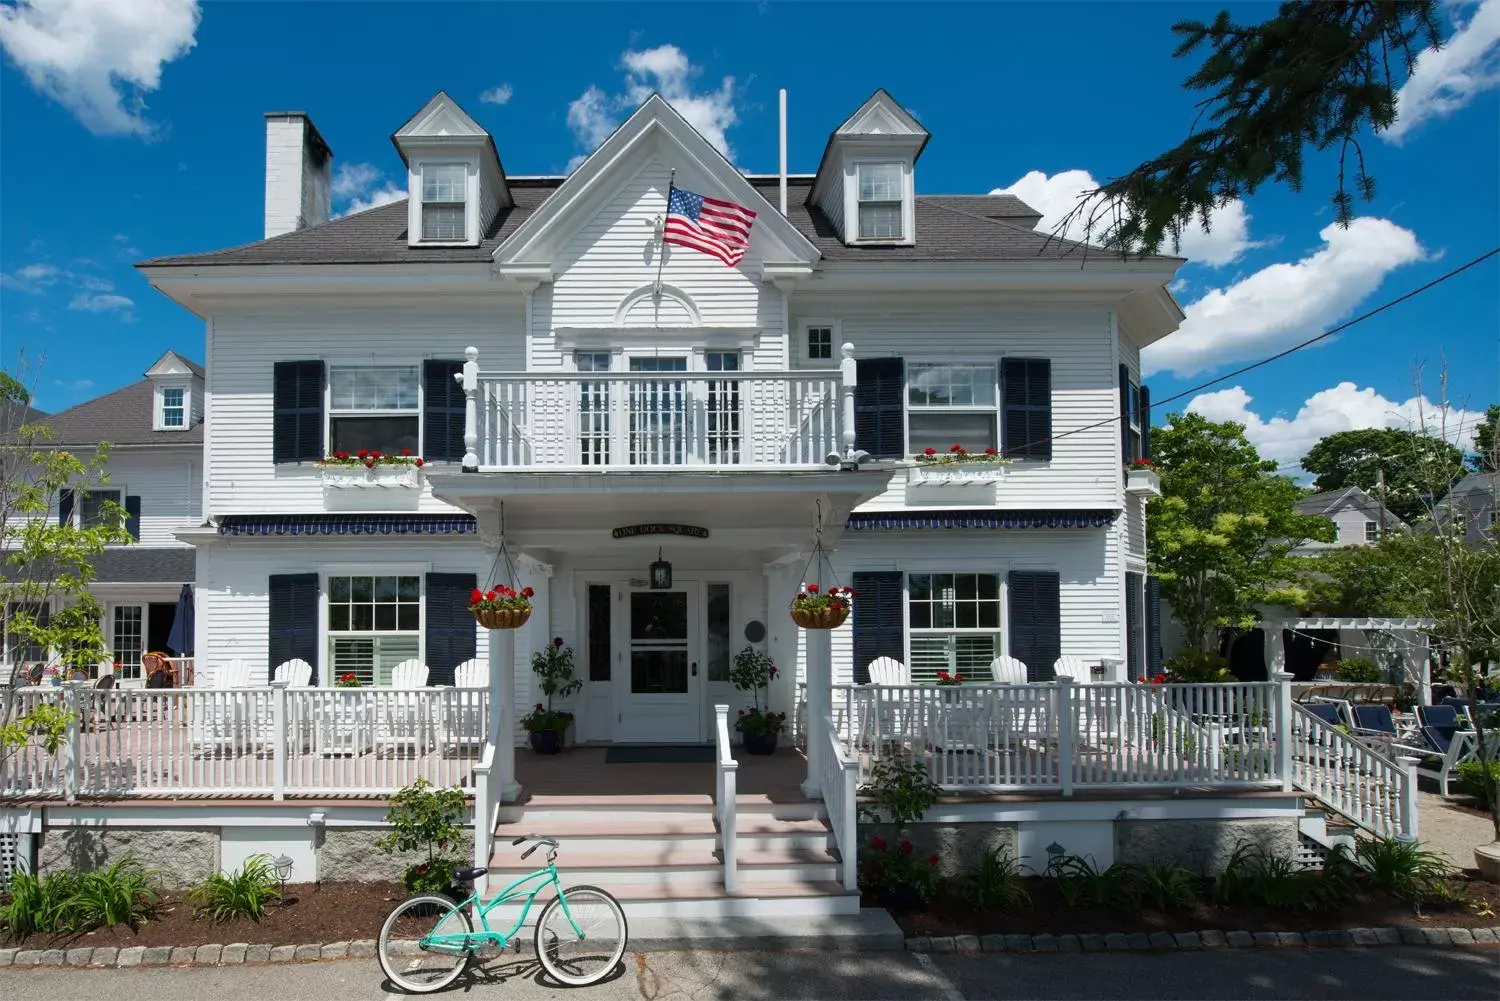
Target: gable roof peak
(172, 363)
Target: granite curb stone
(1190, 941)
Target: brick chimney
(299, 173)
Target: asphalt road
(1355, 974)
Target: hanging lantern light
(661, 573)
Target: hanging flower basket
(815, 609)
(501, 607)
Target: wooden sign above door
(636, 531)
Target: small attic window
(444, 209)
(173, 407)
(881, 198)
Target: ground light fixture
(283, 866)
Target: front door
(660, 700)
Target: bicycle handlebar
(540, 841)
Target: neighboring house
(1475, 502)
(155, 472)
(709, 400)
(1358, 517)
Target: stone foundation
(349, 854)
(959, 847)
(1203, 846)
(182, 856)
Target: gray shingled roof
(124, 417)
(16, 415)
(949, 228)
(139, 565)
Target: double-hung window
(881, 200)
(951, 404)
(954, 620)
(1133, 415)
(376, 408)
(723, 409)
(173, 407)
(374, 623)
(128, 632)
(593, 410)
(444, 195)
(1372, 532)
(819, 343)
(93, 512)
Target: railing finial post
(849, 377)
(469, 379)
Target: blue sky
(149, 116)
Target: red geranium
(877, 843)
(929, 451)
(906, 848)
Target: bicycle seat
(469, 875)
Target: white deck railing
(1373, 788)
(840, 785)
(726, 808)
(598, 420)
(273, 742)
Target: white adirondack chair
(1007, 670)
(1075, 669)
(892, 721)
(463, 707)
(403, 720)
(231, 674)
(889, 671)
(217, 720)
(297, 673)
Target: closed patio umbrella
(180, 639)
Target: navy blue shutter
(1144, 410)
(1125, 449)
(1026, 388)
(1034, 627)
(297, 401)
(293, 621)
(133, 517)
(451, 637)
(878, 620)
(64, 506)
(442, 412)
(880, 407)
(1134, 627)
(1153, 625)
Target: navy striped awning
(347, 524)
(892, 521)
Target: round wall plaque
(755, 630)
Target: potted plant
(501, 607)
(371, 468)
(759, 728)
(1141, 478)
(814, 608)
(553, 667)
(949, 681)
(348, 680)
(958, 464)
(900, 879)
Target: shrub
(1404, 869)
(1361, 669)
(1197, 667)
(884, 867)
(122, 893)
(1081, 883)
(1255, 874)
(37, 903)
(244, 893)
(899, 788)
(996, 884)
(1471, 780)
(1168, 887)
(424, 818)
(430, 877)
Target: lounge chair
(1373, 722)
(1325, 711)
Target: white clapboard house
(664, 394)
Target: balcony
(655, 421)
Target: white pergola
(1414, 654)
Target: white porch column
(538, 632)
(1275, 648)
(819, 705)
(503, 709)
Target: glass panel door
(660, 703)
(658, 414)
(659, 643)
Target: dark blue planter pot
(899, 898)
(760, 743)
(546, 741)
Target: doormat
(666, 754)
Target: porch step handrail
(486, 812)
(725, 799)
(1374, 788)
(840, 787)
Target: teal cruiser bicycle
(428, 940)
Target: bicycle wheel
(415, 969)
(582, 944)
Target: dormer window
(881, 199)
(444, 202)
(173, 407)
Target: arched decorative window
(645, 308)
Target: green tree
(1315, 75)
(1410, 462)
(1220, 534)
(12, 392)
(1486, 457)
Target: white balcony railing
(645, 420)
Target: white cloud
(498, 95)
(101, 303)
(1226, 240)
(31, 278)
(362, 186)
(1284, 303)
(76, 385)
(1344, 407)
(665, 70)
(98, 58)
(1448, 78)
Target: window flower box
(371, 470)
(1141, 480)
(957, 466)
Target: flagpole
(661, 240)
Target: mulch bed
(330, 912)
(950, 914)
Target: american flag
(708, 224)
